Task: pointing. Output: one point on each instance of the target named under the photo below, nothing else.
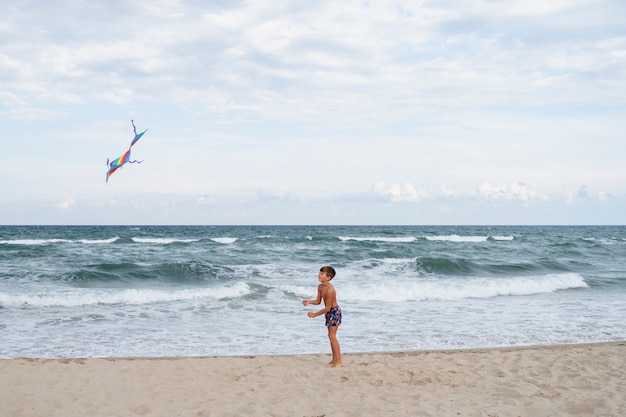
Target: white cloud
(66, 204)
(445, 191)
(603, 197)
(515, 191)
(399, 193)
(204, 200)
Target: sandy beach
(576, 380)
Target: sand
(576, 380)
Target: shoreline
(387, 352)
(552, 380)
(451, 350)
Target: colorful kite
(125, 158)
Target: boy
(332, 312)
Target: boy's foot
(335, 364)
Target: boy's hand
(310, 314)
(305, 302)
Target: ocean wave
(78, 298)
(399, 239)
(141, 273)
(502, 237)
(39, 242)
(458, 289)
(98, 241)
(168, 241)
(438, 238)
(445, 266)
(33, 242)
(190, 271)
(460, 266)
(457, 238)
(603, 241)
(224, 240)
(449, 290)
(162, 240)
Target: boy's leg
(334, 346)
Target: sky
(446, 112)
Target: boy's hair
(328, 270)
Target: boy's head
(328, 270)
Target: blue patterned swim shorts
(333, 317)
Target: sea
(163, 291)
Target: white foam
(457, 289)
(161, 240)
(33, 241)
(99, 241)
(400, 239)
(299, 291)
(224, 240)
(77, 298)
(457, 238)
(502, 237)
(36, 242)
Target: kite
(125, 158)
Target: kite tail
(135, 162)
(134, 128)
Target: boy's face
(323, 277)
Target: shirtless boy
(332, 312)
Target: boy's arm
(316, 301)
(329, 300)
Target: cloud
(400, 193)
(324, 60)
(603, 197)
(445, 191)
(205, 200)
(515, 191)
(66, 204)
(269, 197)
